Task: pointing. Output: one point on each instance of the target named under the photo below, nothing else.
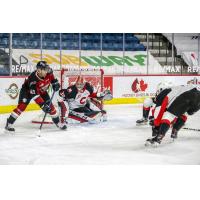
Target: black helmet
(42, 65)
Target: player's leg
(23, 101)
(85, 114)
(162, 128)
(179, 107)
(164, 120)
(63, 107)
(96, 106)
(179, 123)
(45, 100)
(145, 111)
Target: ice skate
(61, 126)
(155, 141)
(9, 128)
(142, 121)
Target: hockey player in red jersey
(77, 102)
(173, 105)
(35, 87)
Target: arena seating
(184, 42)
(70, 41)
(4, 71)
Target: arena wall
(125, 89)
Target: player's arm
(54, 82)
(30, 85)
(63, 97)
(105, 95)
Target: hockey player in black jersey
(173, 105)
(35, 87)
(79, 102)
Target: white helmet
(163, 85)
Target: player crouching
(80, 103)
(35, 87)
(172, 107)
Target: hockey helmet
(43, 65)
(80, 82)
(163, 85)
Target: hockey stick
(191, 129)
(45, 115)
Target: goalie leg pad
(81, 117)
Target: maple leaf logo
(138, 86)
(143, 86)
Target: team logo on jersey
(83, 100)
(12, 91)
(139, 86)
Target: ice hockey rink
(117, 141)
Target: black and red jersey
(35, 85)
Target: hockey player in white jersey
(173, 105)
(79, 102)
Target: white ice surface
(117, 141)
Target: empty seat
(89, 41)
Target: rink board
(125, 89)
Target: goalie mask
(80, 83)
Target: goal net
(67, 77)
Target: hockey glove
(55, 85)
(106, 95)
(151, 121)
(46, 108)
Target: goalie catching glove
(105, 95)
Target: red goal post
(68, 76)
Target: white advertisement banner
(145, 86)
(112, 62)
(122, 86)
(9, 90)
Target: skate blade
(63, 129)
(9, 132)
(141, 124)
(149, 144)
(155, 144)
(173, 140)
